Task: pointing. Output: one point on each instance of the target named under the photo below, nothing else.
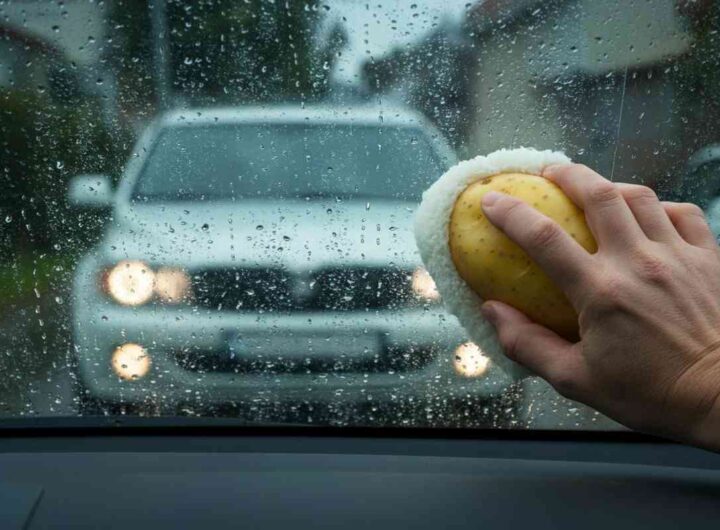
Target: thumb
(537, 348)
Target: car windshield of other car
(289, 161)
(207, 206)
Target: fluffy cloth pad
(431, 234)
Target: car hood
(295, 235)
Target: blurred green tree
(221, 51)
(44, 143)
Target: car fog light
(172, 285)
(130, 361)
(470, 361)
(424, 286)
(130, 282)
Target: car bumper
(101, 326)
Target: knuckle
(607, 296)
(603, 193)
(641, 193)
(514, 214)
(558, 170)
(564, 171)
(512, 206)
(652, 269)
(691, 210)
(543, 233)
(582, 168)
(583, 171)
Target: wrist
(706, 433)
(706, 429)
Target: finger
(608, 215)
(537, 348)
(648, 211)
(691, 224)
(554, 250)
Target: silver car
(262, 255)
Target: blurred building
(431, 76)
(595, 79)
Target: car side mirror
(90, 191)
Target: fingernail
(488, 311)
(490, 198)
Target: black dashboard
(204, 476)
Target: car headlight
(172, 285)
(470, 361)
(424, 286)
(130, 361)
(134, 282)
(130, 282)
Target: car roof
(330, 114)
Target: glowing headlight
(130, 361)
(130, 282)
(172, 285)
(424, 286)
(470, 360)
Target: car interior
(170, 475)
(214, 310)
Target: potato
(496, 268)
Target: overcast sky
(374, 28)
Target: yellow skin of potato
(496, 268)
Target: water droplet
(259, 227)
(205, 226)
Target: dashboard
(203, 476)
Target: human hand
(648, 303)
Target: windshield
(289, 161)
(206, 207)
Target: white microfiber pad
(431, 234)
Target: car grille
(243, 289)
(277, 290)
(360, 289)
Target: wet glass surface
(206, 207)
